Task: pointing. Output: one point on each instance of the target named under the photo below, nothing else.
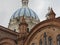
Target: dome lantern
(24, 3)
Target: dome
(26, 12)
(30, 17)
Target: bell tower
(51, 14)
(22, 31)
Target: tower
(51, 14)
(22, 31)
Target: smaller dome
(26, 12)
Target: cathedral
(25, 28)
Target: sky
(8, 7)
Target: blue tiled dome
(26, 12)
(30, 17)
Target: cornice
(8, 30)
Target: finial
(50, 9)
(24, 3)
(51, 14)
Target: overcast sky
(8, 7)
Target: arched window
(49, 40)
(14, 30)
(28, 30)
(58, 39)
(45, 38)
(40, 43)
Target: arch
(58, 37)
(7, 41)
(54, 22)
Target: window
(49, 40)
(28, 30)
(40, 43)
(58, 39)
(14, 30)
(45, 38)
